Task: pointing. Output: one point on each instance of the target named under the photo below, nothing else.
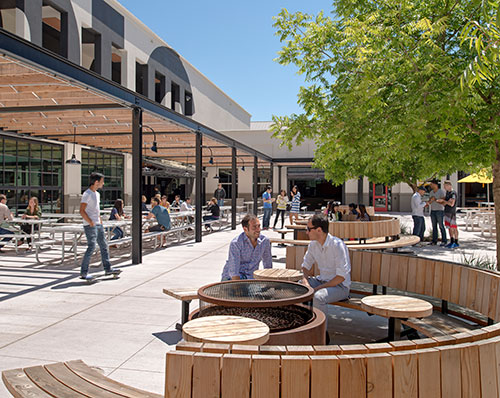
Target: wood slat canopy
(37, 103)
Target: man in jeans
(437, 213)
(220, 195)
(417, 212)
(94, 231)
(267, 201)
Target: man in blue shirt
(161, 215)
(247, 250)
(267, 201)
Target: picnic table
(396, 308)
(226, 329)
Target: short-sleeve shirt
(266, 196)
(439, 194)
(296, 203)
(5, 214)
(92, 199)
(244, 259)
(451, 195)
(185, 206)
(162, 216)
(114, 213)
(417, 205)
(332, 258)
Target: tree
(384, 98)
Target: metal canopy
(44, 95)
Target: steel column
(233, 188)
(279, 180)
(199, 184)
(271, 176)
(255, 184)
(136, 185)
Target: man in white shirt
(94, 231)
(417, 212)
(332, 257)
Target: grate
(254, 290)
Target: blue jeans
(4, 231)
(220, 202)
(419, 226)
(323, 297)
(95, 234)
(437, 219)
(267, 217)
(117, 233)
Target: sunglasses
(309, 229)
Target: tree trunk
(496, 197)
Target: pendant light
(73, 159)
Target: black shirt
(450, 195)
(214, 209)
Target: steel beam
(59, 108)
(136, 185)
(255, 184)
(234, 175)
(198, 189)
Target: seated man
(247, 250)
(161, 215)
(187, 206)
(176, 204)
(5, 214)
(332, 257)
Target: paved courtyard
(126, 326)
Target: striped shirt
(244, 259)
(296, 203)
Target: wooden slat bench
(185, 295)
(71, 379)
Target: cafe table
(282, 274)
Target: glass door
(380, 197)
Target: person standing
(332, 257)
(437, 212)
(450, 214)
(267, 204)
(295, 208)
(247, 250)
(220, 195)
(92, 225)
(5, 214)
(281, 202)
(417, 212)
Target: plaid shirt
(244, 259)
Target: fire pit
(286, 307)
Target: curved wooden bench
(379, 226)
(67, 379)
(463, 364)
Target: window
(91, 43)
(30, 168)
(263, 180)
(116, 65)
(54, 30)
(141, 78)
(109, 164)
(8, 15)
(188, 104)
(225, 178)
(159, 87)
(175, 96)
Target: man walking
(267, 201)
(94, 231)
(437, 213)
(450, 214)
(417, 212)
(220, 195)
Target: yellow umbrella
(482, 178)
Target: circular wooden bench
(462, 364)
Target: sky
(233, 44)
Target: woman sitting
(33, 212)
(363, 215)
(335, 214)
(213, 208)
(352, 209)
(117, 215)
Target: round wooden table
(282, 274)
(396, 308)
(226, 329)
